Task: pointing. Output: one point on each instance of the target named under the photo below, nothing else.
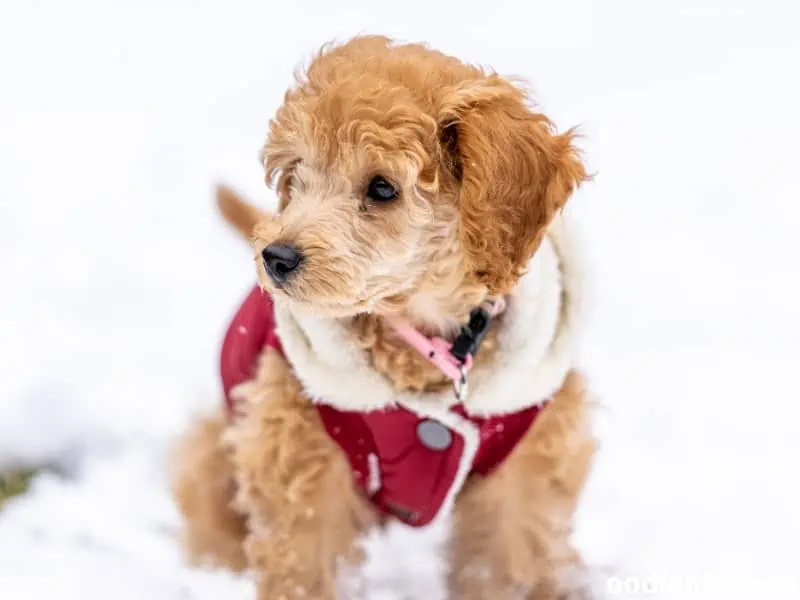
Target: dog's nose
(280, 261)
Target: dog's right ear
(239, 213)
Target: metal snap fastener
(434, 435)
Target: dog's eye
(381, 190)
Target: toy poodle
(408, 353)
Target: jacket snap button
(434, 435)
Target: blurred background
(118, 278)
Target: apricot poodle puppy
(408, 353)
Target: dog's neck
(442, 312)
(361, 364)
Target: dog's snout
(280, 261)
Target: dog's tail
(239, 213)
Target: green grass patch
(13, 484)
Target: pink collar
(453, 359)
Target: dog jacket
(410, 465)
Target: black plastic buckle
(471, 336)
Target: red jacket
(410, 465)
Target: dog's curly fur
(480, 178)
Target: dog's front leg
(303, 512)
(511, 529)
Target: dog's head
(407, 181)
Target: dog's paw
(558, 590)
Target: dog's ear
(515, 173)
(239, 213)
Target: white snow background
(118, 278)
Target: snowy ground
(115, 120)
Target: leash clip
(460, 385)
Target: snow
(117, 118)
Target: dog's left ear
(515, 174)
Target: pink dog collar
(454, 360)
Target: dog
(408, 353)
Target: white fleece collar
(536, 341)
